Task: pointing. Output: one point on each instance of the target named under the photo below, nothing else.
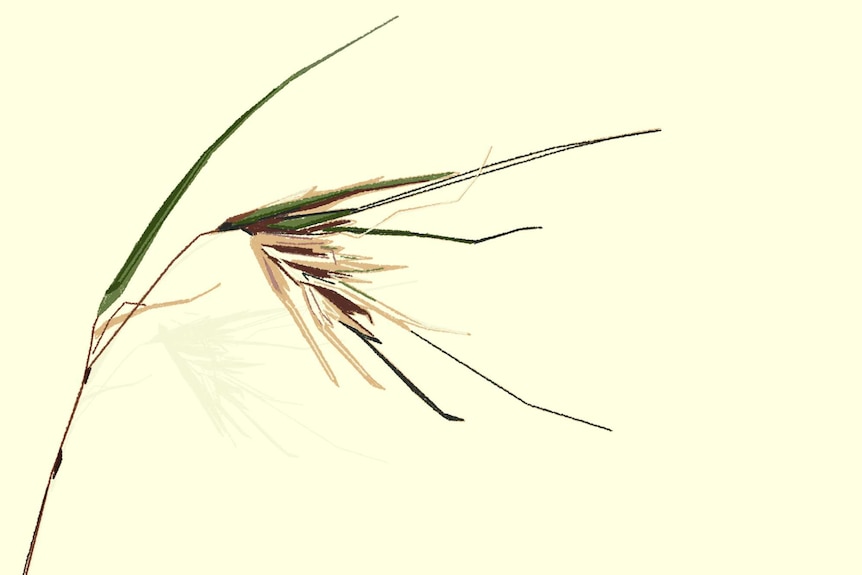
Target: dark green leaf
(289, 207)
(300, 222)
(124, 276)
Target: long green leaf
(124, 276)
(286, 208)
(305, 221)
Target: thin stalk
(88, 367)
(140, 302)
(56, 466)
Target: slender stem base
(92, 357)
(56, 466)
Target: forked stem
(92, 357)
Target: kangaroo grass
(318, 283)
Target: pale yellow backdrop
(696, 290)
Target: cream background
(696, 290)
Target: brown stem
(56, 466)
(94, 347)
(91, 360)
(140, 302)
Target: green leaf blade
(285, 208)
(299, 222)
(127, 271)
